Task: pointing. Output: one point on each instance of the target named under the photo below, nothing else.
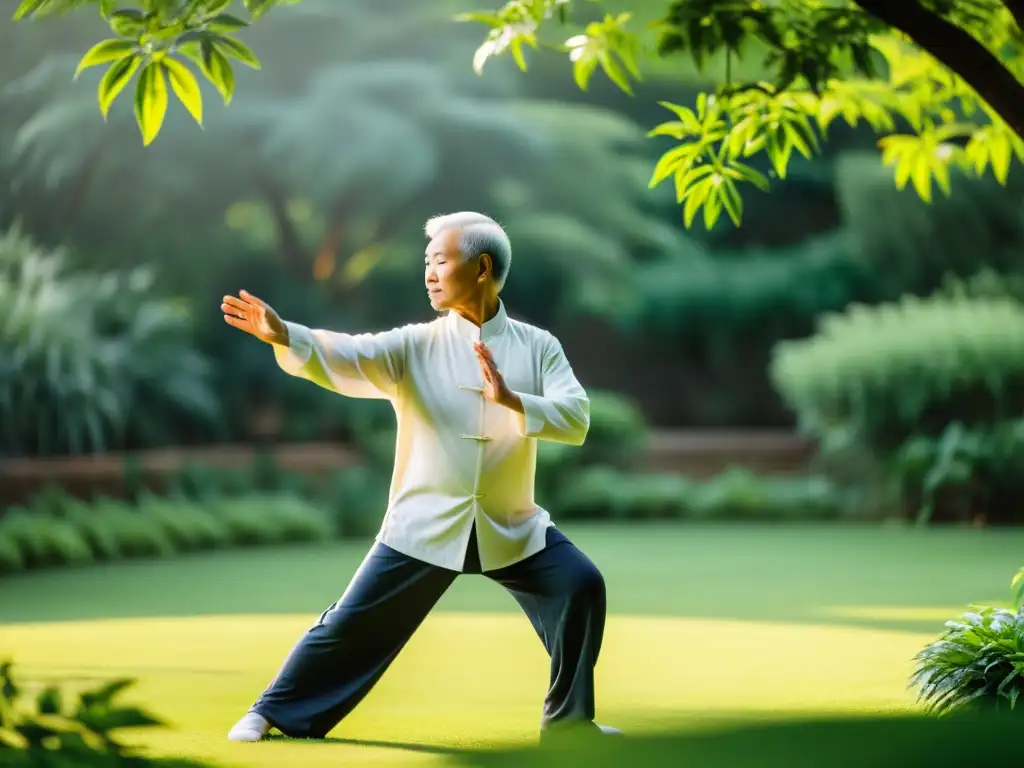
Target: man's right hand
(256, 317)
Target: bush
(273, 519)
(121, 372)
(43, 540)
(974, 664)
(963, 474)
(876, 376)
(617, 434)
(60, 532)
(357, 498)
(605, 493)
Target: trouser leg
(563, 594)
(341, 657)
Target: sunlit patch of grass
(472, 680)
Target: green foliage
(851, 741)
(878, 375)
(964, 472)
(977, 662)
(1017, 585)
(605, 493)
(90, 361)
(58, 732)
(764, 293)
(154, 42)
(853, 61)
(57, 530)
(911, 246)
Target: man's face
(451, 280)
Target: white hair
(478, 234)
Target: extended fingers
(232, 305)
(252, 299)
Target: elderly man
(473, 392)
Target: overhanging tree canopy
(942, 79)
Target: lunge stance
(473, 392)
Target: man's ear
(486, 267)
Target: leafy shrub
(43, 540)
(762, 293)
(617, 434)
(912, 246)
(878, 375)
(73, 532)
(975, 663)
(357, 498)
(963, 473)
(735, 494)
(58, 734)
(121, 372)
(273, 519)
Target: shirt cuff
(293, 358)
(530, 422)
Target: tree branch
(959, 51)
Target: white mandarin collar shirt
(460, 460)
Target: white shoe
(252, 727)
(609, 731)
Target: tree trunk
(959, 51)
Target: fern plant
(978, 662)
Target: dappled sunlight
(473, 679)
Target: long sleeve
(562, 413)
(365, 365)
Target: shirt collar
(469, 330)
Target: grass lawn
(707, 623)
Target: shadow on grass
(905, 741)
(428, 749)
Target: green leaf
(27, 8)
(516, 46)
(921, 178)
(238, 50)
(114, 80)
(999, 153)
(128, 22)
(696, 196)
(731, 199)
(257, 8)
(614, 70)
(225, 22)
(151, 101)
(185, 87)
(104, 51)
(746, 173)
(213, 7)
(669, 162)
(217, 69)
(583, 69)
(712, 208)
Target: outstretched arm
(366, 365)
(560, 414)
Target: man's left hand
(495, 388)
